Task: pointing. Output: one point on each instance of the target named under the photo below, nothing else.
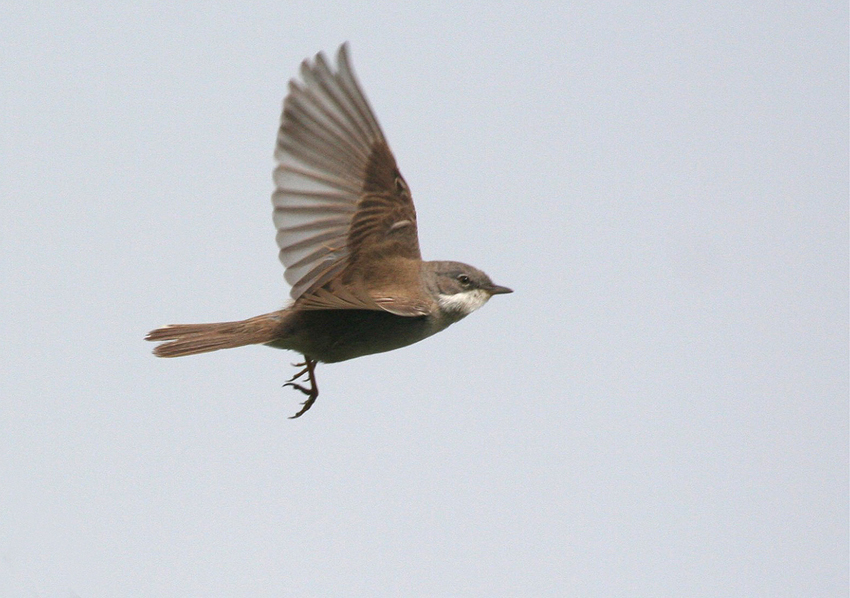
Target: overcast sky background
(660, 409)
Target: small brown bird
(346, 228)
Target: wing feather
(341, 207)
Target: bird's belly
(336, 335)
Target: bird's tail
(189, 339)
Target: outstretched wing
(341, 207)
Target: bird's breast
(337, 335)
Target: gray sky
(660, 409)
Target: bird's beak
(497, 290)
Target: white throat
(462, 304)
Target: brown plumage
(190, 339)
(346, 229)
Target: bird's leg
(309, 366)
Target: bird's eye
(464, 280)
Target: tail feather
(189, 339)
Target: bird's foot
(312, 392)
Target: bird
(347, 237)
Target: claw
(309, 366)
(306, 370)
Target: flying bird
(346, 229)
